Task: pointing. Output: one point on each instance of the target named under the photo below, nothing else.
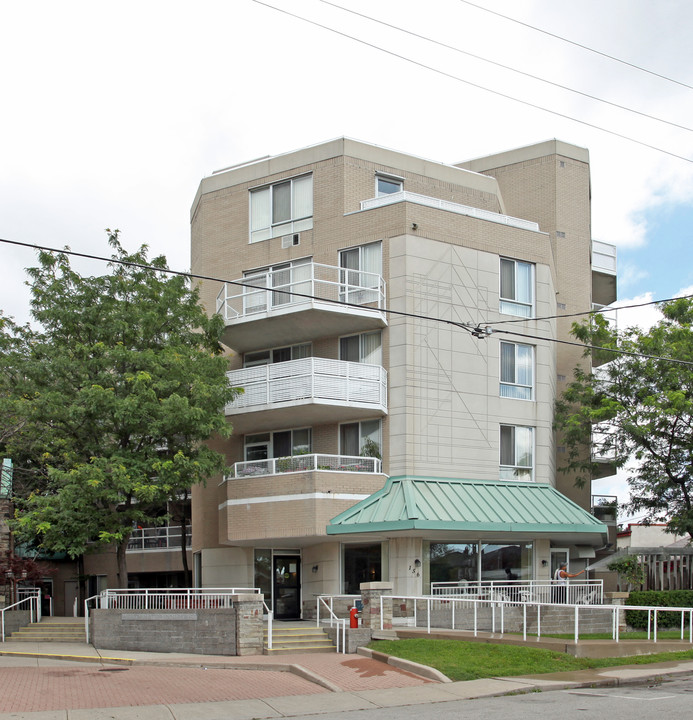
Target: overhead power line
(508, 67)
(478, 331)
(472, 84)
(580, 45)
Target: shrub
(658, 598)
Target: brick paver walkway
(81, 685)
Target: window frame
(362, 342)
(511, 305)
(515, 384)
(362, 438)
(276, 227)
(394, 180)
(520, 473)
(269, 443)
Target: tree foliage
(117, 389)
(642, 408)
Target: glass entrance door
(287, 587)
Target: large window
(516, 287)
(282, 443)
(277, 355)
(363, 348)
(516, 452)
(283, 208)
(516, 370)
(361, 563)
(361, 273)
(460, 562)
(356, 437)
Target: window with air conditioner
(282, 208)
(516, 452)
(516, 287)
(516, 371)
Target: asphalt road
(660, 700)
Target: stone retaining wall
(16, 619)
(237, 630)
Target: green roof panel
(428, 503)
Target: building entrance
(286, 580)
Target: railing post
(524, 621)
(538, 621)
(577, 635)
(428, 613)
(655, 624)
(476, 605)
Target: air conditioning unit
(291, 240)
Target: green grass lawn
(461, 660)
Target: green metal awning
(413, 503)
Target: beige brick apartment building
(383, 433)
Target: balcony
(304, 463)
(306, 392)
(298, 304)
(437, 203)
(158, 538)
(604, 445)
(603, 273)
(605, 508)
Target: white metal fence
(304, 463)
(580, 592)
(299, 285)
(310, 378)
(413, 607)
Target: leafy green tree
(644, 402)
(118, 388)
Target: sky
(112, 114)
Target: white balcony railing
(317, 379)
(297, 286)
(158, 538)
(603, 257)
(604, 442)
(457, 208)
(305, 463)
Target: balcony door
(286, 578)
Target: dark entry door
(287, 587)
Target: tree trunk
(121, 558)
(81, 585)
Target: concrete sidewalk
(56, 681)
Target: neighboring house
(383, 434)
(637, 535)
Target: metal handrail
(341, 623)
(31, 600)
(270, 615)
(580, 591)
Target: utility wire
(472, 84)
(476, 331)
(577, 44)
(508, 67)
(605, 309)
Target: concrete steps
(52, 630)
(292, 640)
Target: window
(480, 561)
(284, 443)
(283, 279)
(361, 563)
(282, 208)
(516, 287)
(385, 185)
(516, 371)
(360, 277)
(354, 436)
(364, 348)
(516, 452)
(267, 357)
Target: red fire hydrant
(353, 618)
